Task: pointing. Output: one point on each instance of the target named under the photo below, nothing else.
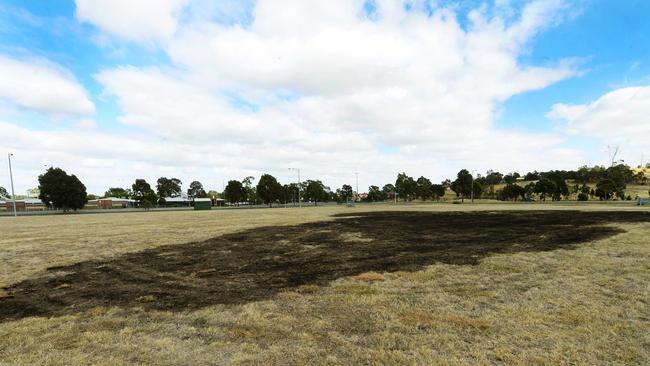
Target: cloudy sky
(113, 90)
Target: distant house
(179, 201)
(28, 204)
(112, 202)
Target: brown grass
(588, 305)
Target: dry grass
(584, 306)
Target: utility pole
(11, 177)
(299, 201)
(356, 175)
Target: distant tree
(511, 178)
(4, 193)
(268, 189)
(142, 192)
(462, 185)
(438, 191)
(559, 179)
(544, 187)
(532, 176)
(375, 194)
(405, 187)
(92, 197)
(493, 178)
(512, 192)
(423, 189)
(389, 191)
(234, 192)
(168, 187)
(62, 191)
(213, 194)
(607, 189)
(196, 190)
(118, 192)
(250, 193)
(290, 192)
(315, 191)
(346, 192)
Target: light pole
(11, 177)
(299, 201)
(356, 175)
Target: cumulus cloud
(619, 117)
(323, 86)
(42, 86)
(141, 20)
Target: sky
(114, 90)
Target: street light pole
(356, 175)
(11, 177)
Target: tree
(512, 192)
(196, 190)
(559, 179)
(250, 193)
(168, 187)
(346, 192)
(375, 194)
(423, 189)
(493, 178)
(118, 192)
(607, 189)
(268, 189)
(234, 192)
(389, 191)
(463, 184)
(544, 187)
(4, 193)
(405, 186)
(316, 191)
(438, 191)
(142, 192)
(62, 191)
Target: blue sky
(201, 91)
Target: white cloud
(140, 20)
(42, 86)
(620, 117)
(315, 85)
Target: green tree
(268, 189)
(168, 187)
(234, 192)
(375, 194)
(346, 192)
(438, 191)
(250, 193)
(196, 190)
(405, 187)
(607, 189)
(4, 193)
(512, 192)
(389, 191)
(463, 184)
(493, 178)
(118, 192)
(142, 192)
(62, 191)
(545, 187)
(423, 189)
(316, 191)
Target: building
(202, 204)
(27, 204)
(181, 201)
(112, 202)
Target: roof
(202, 200)
(115, 199)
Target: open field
(382, 284)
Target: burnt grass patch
(256, 264)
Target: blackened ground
(257, 263)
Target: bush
(583, 197)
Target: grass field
(409, 284)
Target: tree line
(63, 191)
